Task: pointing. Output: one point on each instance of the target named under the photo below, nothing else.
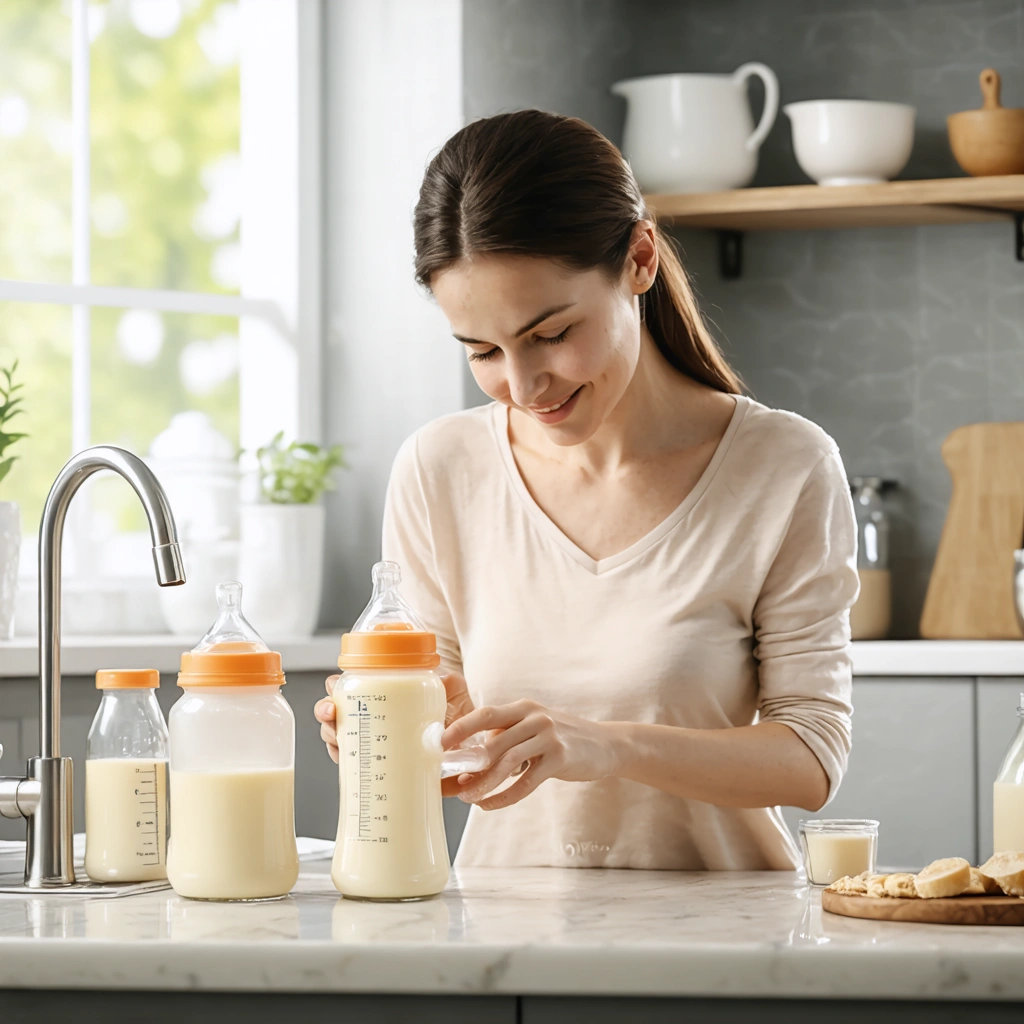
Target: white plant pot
(10, 546)
(281, 567)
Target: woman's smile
(556, 412)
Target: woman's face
(557, 344)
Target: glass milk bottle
(390, 716)
(126, 780)
(1008, 795)
(232, 766)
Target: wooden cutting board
(970, 593)
(986, 910)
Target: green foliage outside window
(164, 127)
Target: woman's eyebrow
(539, 319)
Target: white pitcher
(695, 133)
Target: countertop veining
(511, 931)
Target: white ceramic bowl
(851, 142)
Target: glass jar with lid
(871, 616)
(126, 780)
(1008, 794)
(232, 766)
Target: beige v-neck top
(734, 609)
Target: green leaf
(5, 467)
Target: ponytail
(670, 311)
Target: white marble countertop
(84, 655)
(513, 932)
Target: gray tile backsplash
(889, 338)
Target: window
(159, 246)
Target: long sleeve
(407, 540)
(802, 621)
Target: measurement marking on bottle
(147, 793)
(365, 775)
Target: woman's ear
(642, 264)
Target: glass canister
(126, 780)
(390, 703)
(871, 616)
(1008, 795)
(232, 766)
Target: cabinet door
(912, 767)
(997, 722)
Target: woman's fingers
(329, 684)
(459, 701)
(324, 713)
(522, 787)
(501, 717)
(508, 765)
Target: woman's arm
(750, 766)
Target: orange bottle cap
(396, 645)
(232, 663)
(127, 679)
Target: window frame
(279, 308)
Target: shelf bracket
(730, 254)
(1018, 235)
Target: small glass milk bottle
(1008, 795)
(126, 780)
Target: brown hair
(531, 183)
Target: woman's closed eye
(555, 339)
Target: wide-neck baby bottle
(232, 766)
(1008, 795)
(390, 705)
(126, 780)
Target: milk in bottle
(126, 780)
(232, 767)
(1008, 795)
(390, 715)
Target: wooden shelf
(802, 207)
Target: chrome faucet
(43, 797)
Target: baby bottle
(232, 766)
(390, 705)
(1008, 795)
(126, 780)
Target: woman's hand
(551, 744)
(459, 704)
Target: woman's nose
(526, 382)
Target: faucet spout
(44, 796)
(166, 558)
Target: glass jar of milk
(232, 766)
(126, 780)
(390, 715)
(1008, 795)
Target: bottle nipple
(387, 609)
(231, 632)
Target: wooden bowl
(989, 140)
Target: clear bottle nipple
(231, 631)
(387, 608)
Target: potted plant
(282, 556)
(10, 516)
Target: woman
(639, 578)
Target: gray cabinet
(913, 768)
(997, 722)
